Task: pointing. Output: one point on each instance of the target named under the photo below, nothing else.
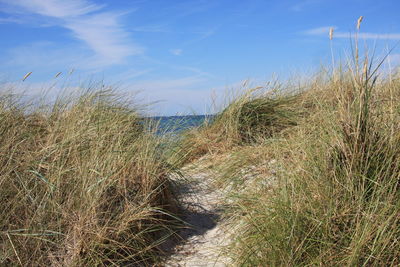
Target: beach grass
(313, 170)
(310, 168)
(82, 182)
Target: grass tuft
(314, 175)
(82, 183)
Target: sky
(180, 53)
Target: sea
(167, 125)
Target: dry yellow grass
(82, 183)
(331, 196)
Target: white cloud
(103, 34)
(194, 70)
(192, 94)
(56, 8)
(10, 20)
(179, 101)
(100, 31)
(301, 5)
(176, 52)
(370, 35)
(324, 31)
(201, 36)
(130, 74)
(171, 96)
(319, 31)
(152, 29)
(44, 56)
(186, 82)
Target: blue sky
(182, 52)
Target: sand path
(204, 235)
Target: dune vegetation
(82, 182)
(311, 167)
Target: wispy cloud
(44, 56)
(176, 52)
(187, 8)
(320, 30)
(200, 36)
(370, 35)
(131, 74)
(186, 82)
(11, 20)
(324, 31)
(101, 31)
(196, 71)
(56, 8)
(152, 28)
(190, 69)
(301, 5)
(171, 96)
(191, 94)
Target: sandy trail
(204, 235)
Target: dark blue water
(177, 124)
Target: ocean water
(177, 124)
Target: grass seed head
(359, 22)
(26, 76)
(331, 33)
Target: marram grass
(82, 183)
(331, 193)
